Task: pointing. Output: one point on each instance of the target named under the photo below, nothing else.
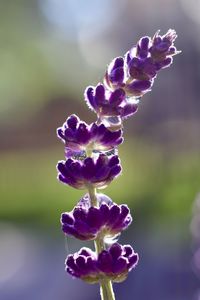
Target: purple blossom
(79, 136)
(108, 103)
(115, 75)
(163, 48)
(91, 172)
(86, 222)
(83, 265)
(136, 72)
(113, 263)
(143, 47)
(142, 69)
(151, 55)
(138, 88)
(90, 163)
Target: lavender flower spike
(114, 264)
(79, 136)
(86, 222)
(91, 165)
(90, 172)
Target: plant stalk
(106, 289)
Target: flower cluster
(135, 72)
(128, 78)
(109, 103)
(86, 222)
(95, 172)
(79, 137)
(113, 263)
(91, 162)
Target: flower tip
(156, 34)
(88, 90)
(178, 51)
(72, 121)
(59, 132)
(171, 35)
(73, 116)
(100, 86)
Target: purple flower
(138, 88)
(96, 172)
(135, 73)
(113, 263)
(117, 261)
(163, 48)
(142, 69)
(83, 265)
(115, 75)
(85, 222)
(143, 47)
(79, 136)
(151, 55)
(108, 103)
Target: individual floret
(83, 265)
(115, 75)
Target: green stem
(93, 198)
(106, 289)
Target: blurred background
(50, 50)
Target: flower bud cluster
(113, 263)
(95, 172)
(86, 222)
(128, 78)
(79, 137)
(91, 160)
